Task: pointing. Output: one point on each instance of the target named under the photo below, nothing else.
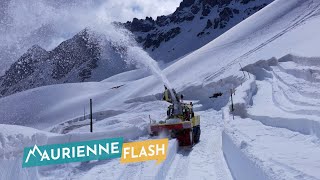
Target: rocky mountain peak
(74, 60)
(36, 49)
(199, 20)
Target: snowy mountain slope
(81, 58)
(253, 147)
(192, 25)
(292, 22)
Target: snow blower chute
(181, 123)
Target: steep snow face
(81, 58)
(289, 29)
(192, 25)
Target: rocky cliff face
(75, 60)
(192, 25)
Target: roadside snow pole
(232, 109)
(90, 115)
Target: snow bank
(128, 133)
(13, 139)
(202, 93)
(12, 169)
(243, 97)
(241, 166)
(274, 153)
(84, 120)
(158, 172)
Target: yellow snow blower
(181, 123)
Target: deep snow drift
(274, 134)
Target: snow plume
(140, 58)
(42, 22)
(123, 41)
(49, 22)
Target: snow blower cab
(181, 123)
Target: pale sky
(124, 10)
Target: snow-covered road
(205, 160)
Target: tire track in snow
(149, 169)
(281, 101)
(298, 86)
(131, 171)
(181, 165)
